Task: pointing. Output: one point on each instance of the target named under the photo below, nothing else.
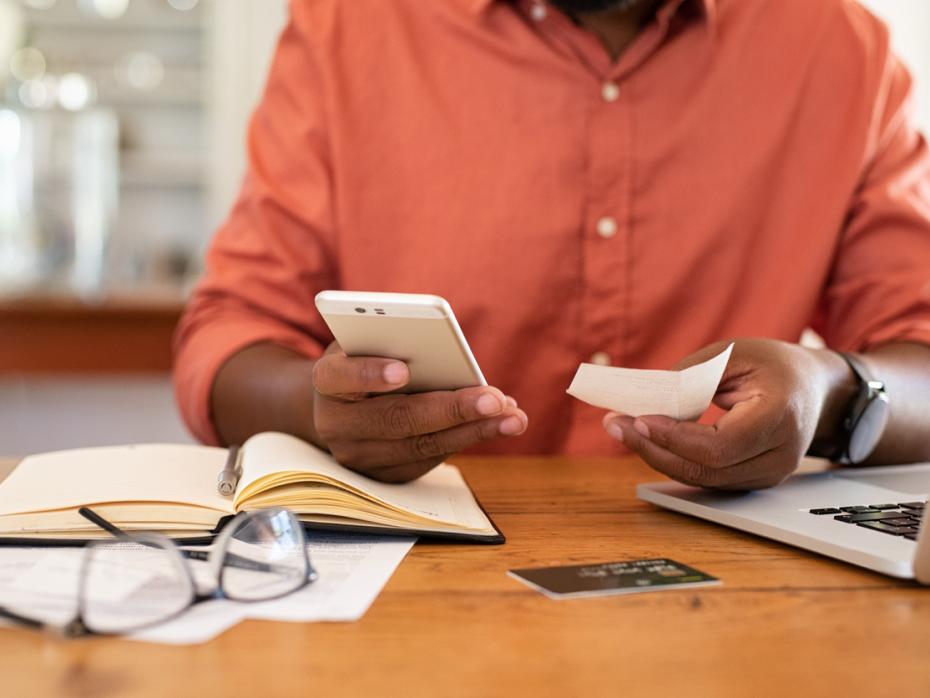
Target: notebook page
(440, 495)
(139, 473)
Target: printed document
(684, 394)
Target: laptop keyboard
(901, 519)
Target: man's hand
(397, 437)
(776, 394)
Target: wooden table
(451, 623)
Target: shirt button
(538, 11)
(601, 358)
(607, 227)
(610, 92)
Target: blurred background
(122, 127)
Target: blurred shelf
(139, 16)
(162, 105)
(186, 91)
(121, 333)
(164, 170)
(161, 180)
(151, 100)
(92, 24)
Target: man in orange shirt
(617, 181)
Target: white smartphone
(420, 330)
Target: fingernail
(489, 404)
(395, 373)
(512, 426)
(641, 427)
(615, 431)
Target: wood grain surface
(451, 623)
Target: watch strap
(859, 369)
(869, 391)
(837, 447)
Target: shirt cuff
(200, 357)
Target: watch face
(869, 429)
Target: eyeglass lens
(128, 585)
(266, 557)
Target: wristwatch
(865, 420)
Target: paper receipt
(684, 394)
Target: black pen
(229, 477)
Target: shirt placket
(607, 290)
(609, 178)
(606, 223)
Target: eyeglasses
(137, 581)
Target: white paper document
(352, 573)
(684, 394)
(42, 583)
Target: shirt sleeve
(879, 287)
(275, 251)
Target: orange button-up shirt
(744, 169)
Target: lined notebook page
(440, 495)
(141, 473)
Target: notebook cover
(497, 539)
(14, 542)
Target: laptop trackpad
(910, 480)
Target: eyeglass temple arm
(98, 520)
(231, 558)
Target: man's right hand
(397, 437)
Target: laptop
(871, 517)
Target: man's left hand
(775, 394)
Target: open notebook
(172, 489)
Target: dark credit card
(606, 578)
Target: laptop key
(903, 521)
(911, 536)
(883, 507)
(884, 528)
(825, 510)
(857, 509)
(870, 516)
(910, 505)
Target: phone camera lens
(359, 310)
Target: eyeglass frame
(216, 557)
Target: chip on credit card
(608, 578)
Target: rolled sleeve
(879, 289)
(200, 356)
(274, 252)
